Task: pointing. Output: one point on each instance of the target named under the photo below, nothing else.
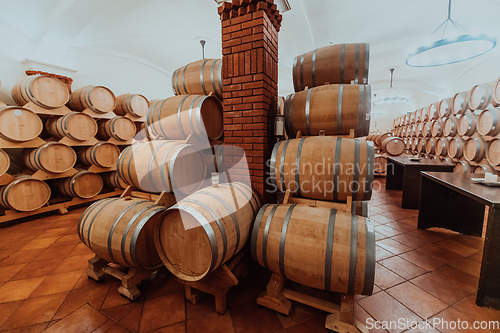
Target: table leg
(442, 207)
(394, 178)
(488, 293)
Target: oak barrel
(18, 124)
(162, 165)
(51, 157)
(442, 145)
(177, 117)
(496, 95)
(334, 64)
(445, 107)
(24, 194)
(467, 124)
(485, 168)
(463, 167)
(381, 138)
(43, 91)
(437, 128)
(206, 229)
(451, 126)
(393, 146)
(424, 114)
(475, 149)
(4, 162)
(75, 125)
(113, 180)
(324, 168)
(316, 246)
(421, 145)
(427, 129)
(430, 146)
(201, 77)
(414, 144)
(488, 122)
(84, 184)
(96, 98)
(460, 103)
(120, 230)
(456, 147)
(482, 95)
(119, 128)
(134, 105)
(141, 132)
(102, 154)
(433, 111)
(416, 116)
(493, 153)
(380, 165)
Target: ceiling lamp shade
(453, 49)
(391, 95)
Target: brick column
(250, 84)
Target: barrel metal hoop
(150, 165)
(314, 67)
(255, 231)
(219, 79)
(254, 210)
(329, 248)
(177, 81)
(353, 255)
(478, 148)
(115, 223)
(355, 179)
(88, 101)
(295, 78)
(219, 224)
(339, 108)
(370, 258)
(168, 184)
(171, 163)
(172, 82)
(361, 111)
(191, 115)
(201, 77)
(289, 116)
(266, 235)
(130, 160)
(342, 56)
(125, 234)
(93, 219)
(356, 66)
(272, 169)
(129, 105)
(83, 217)
(302, 85)
(183, 79)
(336, 168)
(297, 166)
(282, 166)
(370, 169)
(179, 111)
(137, 231)
(307, 111)
(29, 93)
(201, 126)
(284, 230)
(366, 59)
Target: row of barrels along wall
(387, 145)
(463, 130)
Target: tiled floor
(420, 274)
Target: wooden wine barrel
(447, 160)
(199, 78)
(76, 126)
(134, 105)
(421, 145)
(51, 157)
(456, 147)
(475, 149)
(347, 163)
(427, 129)
(25, 194)
(467, 124)
(332, 64)
(493, 153)
(113, 180)
(445, 107)
(417, 116)
(102, 154)
(442, 145)
(161, 165)
(43, 91)
(437, 128)
(380, 165)
(4, 162)
(460, 103)
(424, 114)
(451, 126)
(414, 144)
(411, 115)
(463, 167)
(119, 128)
(485, 168)
(393, 146)
(418, 130)
(334, 108)
(488, 122)
(141, 132)
(18, 124)
(430, 146)
(96, 98)
(381, 138)
(316, 246)
(226, 214)
(433, 111)
(482, 95)
(177, 117)
(408, 143)
(120, 230)
(84, 184)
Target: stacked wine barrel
(463, 129)
(64, 158)
(319, 162)
(387, 144)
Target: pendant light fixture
(459, 46)
(391, 95)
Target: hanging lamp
(453, 49)
(391, 95)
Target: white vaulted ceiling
(136, 45)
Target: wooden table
(403, 174)
(453, 201)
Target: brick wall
(250, 84)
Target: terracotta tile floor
(43, 286)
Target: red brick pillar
(250, 84)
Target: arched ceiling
(164, 35)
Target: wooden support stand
(73, 143)
(219, 282)
(42, 175)
(62, 111)
(345, 207)
(351, 134)
(6, 179)
(35, 143)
